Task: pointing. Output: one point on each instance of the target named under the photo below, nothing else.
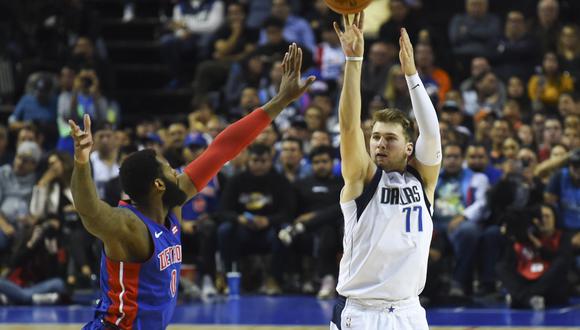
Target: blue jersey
(206, 201)
(141, 295)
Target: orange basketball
(347, 6)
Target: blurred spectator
(320, 17)
(329, 57)
(478, 66)
(249, 100)
(5, 156)
(401, 17)
(512, 113)
(315, 119)
(500, 131)
(477, 160)
(84, 57)
(516, 90)
(396, 91)
(486, 97)
(475, 32)
(16, 184)
(436, 80)
(191, 27)
(291, 163)
(39, 108)
(571, 138)
(316, 230)
(535, 265)
(567, 104)
(460, 208)
(296, 29)
(538, 119)
(516, 49)
(545, 87)
(453, 114)
(552, 134)
(199, 227)
(558, 157)
(174, 146)
(256, 201)
(374, 71)
(88, 98)
(563, 191)
(67, 79)
(569, 50)
(202, 114)
(547, 24)
(248, 73)
(233, 41)
(526, 136)
(104, 159)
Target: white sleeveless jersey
(387, 234)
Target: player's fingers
(298, 60)
(346, 21)
(87, 120)
(361, 20)
(73, 126)
(84, 146)
(355, 20)
(337, 29)
(307, 84)
(291, 57)
(285, 63)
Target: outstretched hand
(352, 39)
(406, 54)
(83, 139)
(291, 88)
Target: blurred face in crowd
(566, 104)
(236, 13)
(176, 135)
(476, 8)
(510, 148)
(547, 224)
(214, 127)
(454, 117)
(477, 158)
(511, 111)
(538, 125)
(23, 165)
(571, 138)
(319, 138)
(452, 159)
(424, 56)
(276, 73)
(255, 66)
(526, 135)
(122, 138)
(249, 98)
(56, 165)
(488, 85)
(381, 54)
(479, 65)
(313, 118)
(144, 128)
(558, 151)
(548, 12)
(25, 134)
(321, 7)
(329, 35)
(291, 154)
(398, 10)
(569, 37)
(280, 9)
(550, 63)
(67, 78)
(105, 141)
(84, 46)
(552, 131)
(322, 166)
(515, 88)
(515, 26)
(500, 131)
(572, 121)
(267, 137)
(528, 158)
(259, 165)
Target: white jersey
(387, 234)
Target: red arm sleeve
(226, 146)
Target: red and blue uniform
(141, 295)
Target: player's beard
(173, 196)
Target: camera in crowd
(518, 223)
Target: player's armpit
(429, 175)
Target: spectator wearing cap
(38, 107)
(563, 191)
(16, 184)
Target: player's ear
(409, 149)
(159, 184)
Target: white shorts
(376, 314)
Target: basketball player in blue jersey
(386, 200)
(142, 253)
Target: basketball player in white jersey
(386, 199)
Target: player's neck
(155, 211)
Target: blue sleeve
(553, 186)
(18, 111)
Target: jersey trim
(123, 280)
(368, 192)
(416, 174)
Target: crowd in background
(507, 205)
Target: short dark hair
(454, 144)
(273, 22)
(396, 116)
(259, 149)
(321, 150)
(138, 172)
(294, 140)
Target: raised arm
(357, 166)
(229, 143)
(109, 224)
(427, 160)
